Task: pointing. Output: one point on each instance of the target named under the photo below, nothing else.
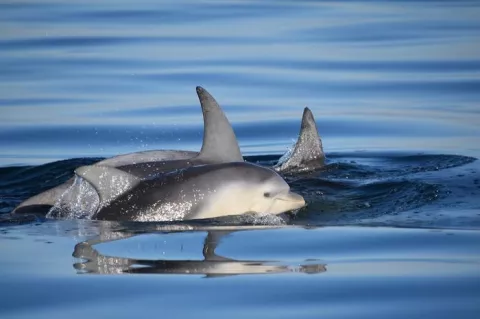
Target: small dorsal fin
(109, 182)
(308, 151)
(219, 140)
(309, 138)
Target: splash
(79, 201)
(287, 154)
(261, 219)
(164, 212)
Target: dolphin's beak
(294, 200)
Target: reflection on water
(367, 272)
(212, 265)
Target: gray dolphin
(196, 192)
(219, 145)
(307, 154)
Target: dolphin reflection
(212, 265)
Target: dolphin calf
(219, 145)
(195, 192)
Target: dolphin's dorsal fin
(109, 182)
(308, 151)
(219, 141)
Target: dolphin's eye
(267, 194)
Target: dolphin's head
(248, 188)
(273, 196)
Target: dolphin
(196, 192)
(219, 145)
(307, 153)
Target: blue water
(392, 223)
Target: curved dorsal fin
(308, 151)
(109, 182)
(219, 141)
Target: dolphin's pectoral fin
(219, 141)
(109, 182)
(308, 151)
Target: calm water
(392, 223)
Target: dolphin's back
(147, 156)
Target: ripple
(354, 188)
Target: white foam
(79, 201)
(262, 219)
